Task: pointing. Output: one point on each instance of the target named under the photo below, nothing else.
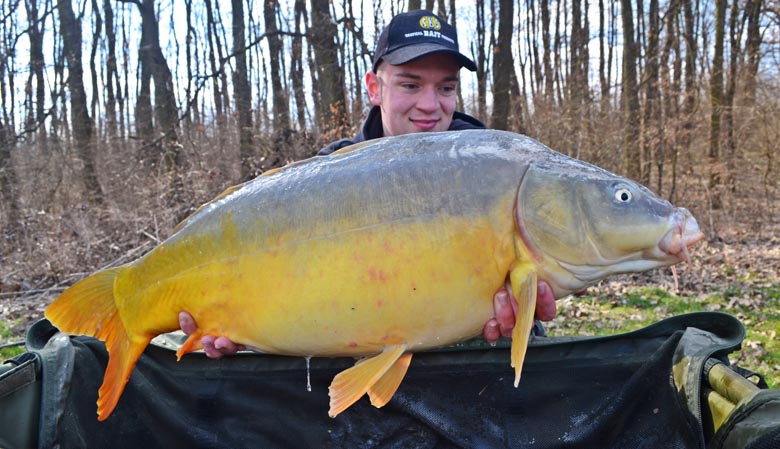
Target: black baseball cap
(414, 34)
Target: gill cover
(583, 223)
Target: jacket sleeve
(333, 146)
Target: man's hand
(505, 307)
(214, 347)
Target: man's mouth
(425, 125)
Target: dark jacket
(372, 129)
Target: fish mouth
(684, 233)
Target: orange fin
(523, 280)
(122, 355)
(384, 389)
(191, 344)
(350, 385)
(89, 308)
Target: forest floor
(733, 273)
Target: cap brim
(412, 52)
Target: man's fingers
(187, 323)
(208, 347)
(545, 302)
(226, 346)
(491, 333)
(505, 313)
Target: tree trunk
(36, 31)
(690, 94)
(98, 27)
(752, 48)
(735, 37)
(716, 102)
(334, 120)
(216, 68)
(603, 79)
(8, 182)
(242, 92)
(481, 62)
(297, 65)
(80, 120)
(631, 152)
(668, 106)
(111, 72)
(546, 63)
(652, 138)
(575, 81)
(152, 59)
(281, 107)
(503, 66)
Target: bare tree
(652, 135)
(154, 66)
(242, 91)
(502, 66)
(735, 37)
(330, 76)
(281, 106)
(35, 32)
(548, 73)
(111, 71)
(296, 61)
(670, 85)
(481, 57)
(80, 121)
(752, 47)
(631, 152)
(716, 102)
(8, 181)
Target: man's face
(416, 96)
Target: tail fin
(88, 308)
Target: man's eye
(409, 86)
(447, 90)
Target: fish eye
(623, 195)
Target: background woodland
(119, 117)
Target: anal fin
(350, 385)
(523, 280)
(384, 389)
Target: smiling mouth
(426, 124)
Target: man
(413, 88)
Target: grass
(6, 336)
(757, 307)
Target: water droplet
(308, 373)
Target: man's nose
(428, 100)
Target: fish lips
(684, 232)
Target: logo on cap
(430, 23)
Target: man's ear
(373, 88)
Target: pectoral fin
(384, 389)
(191, 344)
(350, 385)
(523, 280)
